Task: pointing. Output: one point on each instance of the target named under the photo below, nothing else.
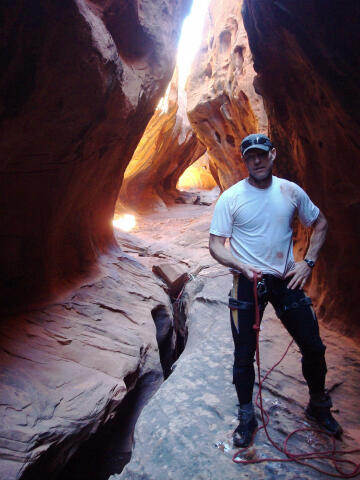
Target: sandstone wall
(306, 55)
(81, 81)
(223, 106)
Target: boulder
(175, 277)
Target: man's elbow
(211, 246)
(321, 223)
(215, 243)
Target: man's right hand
(249, 270)
(225, 257)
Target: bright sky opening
(190, 38)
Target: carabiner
(261, 287)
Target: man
(256, 215)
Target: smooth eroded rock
(67, 368)
(223, 106)
(185, 431)
(81, 81)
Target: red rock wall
(223, 106)
(169, 145)
(81, 80)
(306, 55)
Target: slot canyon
(116, 352)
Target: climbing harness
(239, 304)
(333, 455)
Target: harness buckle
(261, 288)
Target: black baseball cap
(256, 140)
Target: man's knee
(243, 374)
(244, 356)
(313, 352)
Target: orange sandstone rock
(168, 146)
(81, 81)
(223, 106)
(67, 368)
(197, 176)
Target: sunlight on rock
(198, 175)
(124, 222)
(163, 104)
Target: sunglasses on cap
(258, 140)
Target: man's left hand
(299, 275)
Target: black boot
(243, 434)
(318, 409)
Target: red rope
(300, 458)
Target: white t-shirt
(259, 222)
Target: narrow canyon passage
(96, 121)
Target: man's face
(259, 163)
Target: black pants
(296, 314)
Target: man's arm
(302, 271)
(223, 255)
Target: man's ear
(273, 153)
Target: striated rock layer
(168, 146)
(223, 106)
(81, 81)
(66, 369)
(307, 57)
